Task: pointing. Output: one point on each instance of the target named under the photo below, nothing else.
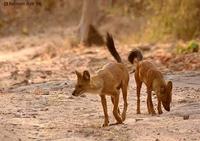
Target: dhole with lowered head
(147, 73)
(107, 82)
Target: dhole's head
(83, 83)
(166, 95)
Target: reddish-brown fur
(107, 82)
(147, 73)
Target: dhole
(107, 82)
(146, 72)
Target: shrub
(177, 18)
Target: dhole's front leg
(150, 103)
(159, 106)
(104, 104)
(115, 108)
(112, 99)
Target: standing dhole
(146, 72)
(108, 81)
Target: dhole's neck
(96, 84)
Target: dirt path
(47, 111)
(36, 83)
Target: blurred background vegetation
(133, 20)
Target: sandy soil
(37, 79)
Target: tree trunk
(88, 34)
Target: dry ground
(37, 78)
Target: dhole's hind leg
(124, 92)
(112, 99)
(115, 108)
(139, 85)
(104, 104)
(148, 107)
(150, 103)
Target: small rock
(157, 140)
(138, 119)
(46, 93)
(110, 139)
(186, 117)
(48, 72)
(82, 95)
(70, 97)
(44, 109)
(43, 76)
(19, 110)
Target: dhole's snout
(77, 92)
(167, 108)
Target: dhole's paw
(138, 112)
(119, 122)
(112, 124)
(153, 113)
(160, 112)
(123, 116)
(105, 124)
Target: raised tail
(135, 53)
(111, 47)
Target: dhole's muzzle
(76, 92)
(166, 107)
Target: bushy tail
(111, 47)
(135, 53)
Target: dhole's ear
(78, 74)
(86, 75)
(169, 85)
